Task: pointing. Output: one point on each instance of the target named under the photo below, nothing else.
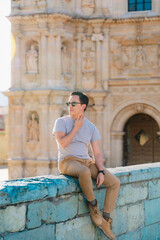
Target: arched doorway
(141, 143)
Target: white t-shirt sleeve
(95, 136)
(59, 126)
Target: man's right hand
(79, 121)
(65, 139)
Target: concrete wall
(52, 207)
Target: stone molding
(48, 17)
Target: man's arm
(99, 161)
(65, 139)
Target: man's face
(78, 109)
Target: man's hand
(100, 179)
(79, 121)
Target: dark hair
(82, 97)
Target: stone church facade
(100, 47)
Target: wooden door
(141, 142)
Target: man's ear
(84, 106)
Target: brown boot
(96, 214)
(107, 228)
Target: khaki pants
(85, 170)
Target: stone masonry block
(131, 236)
(45, 232)
(100, 196)
(120, 221)
(65, 184)
(151, 232)
(12, 219)
(154, 189)
(140, 175)
(128, 218)
(29, 189)
(60, 209)
(80, 229)
(82, 204)
(152, 211)
(131, 193)
(135, 216)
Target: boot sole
(106, 233)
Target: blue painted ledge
(54, 204)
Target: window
(139, 5)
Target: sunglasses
(73, 103)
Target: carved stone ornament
(139, 107)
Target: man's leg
(112, 183)
(77, 169)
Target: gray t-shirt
(80, 143)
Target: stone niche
(88, 64)
(30, 64)
(32, 57)
(67, 60)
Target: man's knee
(85, 173)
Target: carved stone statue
(66, 60)
(32, 60)
(33, 129)
(140, 57)
(125, 59)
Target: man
(73, 134)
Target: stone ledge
(43, 187)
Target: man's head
(77, 103)
(82, 98)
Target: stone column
(43, 122)
(78, 6)
(43, 64)
(116, 149)
(16, 63)
(58, 61)
(105, 64)
(98, 38)
(15, 164)
(78, 62)
(98, 7)
(99, 121)
(55, 112)
(51, 60)
(18, 131)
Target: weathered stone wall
(52, 207)
(3, 135)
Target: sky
(5, 49)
